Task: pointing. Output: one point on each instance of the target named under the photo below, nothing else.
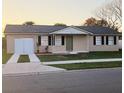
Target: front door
(69, 43)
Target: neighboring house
(60, 39)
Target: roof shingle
(49, 29)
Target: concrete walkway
(28, 68)
(13, 59)
(83, 61)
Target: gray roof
(32, 28)
(49, 29)
(99, 30)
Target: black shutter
(106, 40)
(94, 40)
(49, 40)
(102, 40)
(63, 40)
(39, 40)
(115, 40)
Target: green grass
(5, 56)
(23, 59)
(89, 65)
(91, 55)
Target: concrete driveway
(14, 58)
(83, 81)
(28, 68)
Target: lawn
(91, 55)
(23, 59)
(5, 56)
(89, 65)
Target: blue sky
(48, 12)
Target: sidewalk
(83, 61)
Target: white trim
(79, 31)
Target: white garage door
(24, 46)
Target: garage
(24, 46)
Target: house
(60, 39)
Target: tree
(59, 24)
(112, 13)
(95, 22)
(90, 22)
(29, 23)
(102, 22)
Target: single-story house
(60, 39)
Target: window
(53, 40)
(39, 40)
(110, 40)
(63, 40)
(58, 40)
(49, 40)
(44, 40)
(98, 40)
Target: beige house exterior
(66, 40)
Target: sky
(49, 12)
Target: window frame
(109, 39)
(98, 39)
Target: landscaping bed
(81, 56)
(23, 59)
(89, 65)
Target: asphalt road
(84, 81)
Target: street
(80, 81)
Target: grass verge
(89, 65)
(91, 55)
(5, 56)
(23, 59)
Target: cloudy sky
(48, 12)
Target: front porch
(68, 44)
(69, 41)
